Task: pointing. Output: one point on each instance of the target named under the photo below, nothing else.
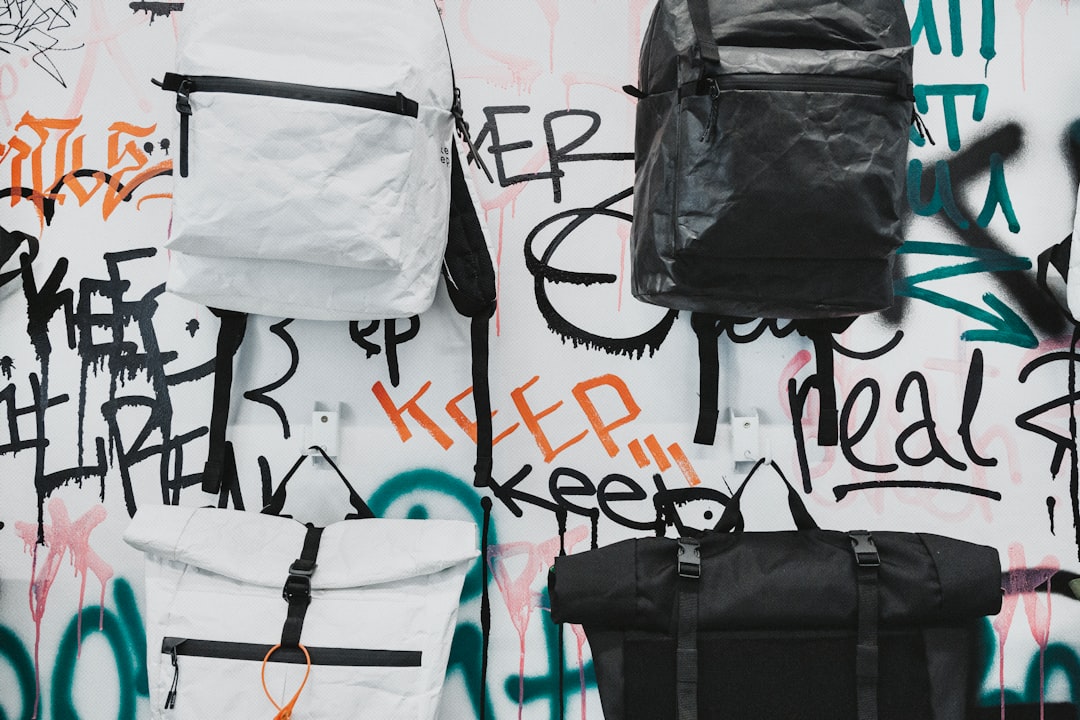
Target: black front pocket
(176, 648)
(790, 166)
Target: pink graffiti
(62, 537)
(1021, 582)
(523, 71)
(104, 37)
(517, 591)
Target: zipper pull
(714, 110)
(183, 106)
(170, 699)
(920, 126)
(463, 132)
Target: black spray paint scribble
(392, 339)
(261, 395)
(156, 9)
(121, 343)
(36, 28)
(544, 272)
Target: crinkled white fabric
(215, 574)
(304, 209)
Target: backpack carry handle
(732, 520)
(277, 500)
(702, 20)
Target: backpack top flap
(258, 549)
(794, 579)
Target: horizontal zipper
(175, 647)
(790, 82)
(184, 85)
(346, 657)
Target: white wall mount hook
(324, 430)
(746, 445)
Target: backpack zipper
(225, 650)
(184, 85)
(795, 82)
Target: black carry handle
(703, 29)
(732, 520)
(277, 500)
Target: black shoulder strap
(708, 336)
(820, 332)
(297, 590)
(470, 282)
(1056, 256)
(230, 335)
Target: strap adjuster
(689, 559)
(866, 554)
(298, 584)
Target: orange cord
(285, 711)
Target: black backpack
(810, 623)
(771, 152)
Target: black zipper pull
(183, 106)
(463, 132)
(714, 110)
(920, 126)
(170, 699)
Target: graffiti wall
(957, 404)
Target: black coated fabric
(771, 156)
(778, 622)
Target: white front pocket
(281, 171)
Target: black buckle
(298, 584)
(689, 558)
(866, 554)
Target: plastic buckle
(298, 584)
(689, 558)
(866, 554)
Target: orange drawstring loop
(285, 711)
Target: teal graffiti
(1005, 326)
(943, 200)
(416, 483)
(126, 637)
(18, 658)
(948, 93)
(925, 24)
(997, 195)
(546, 687)
(1059, 659)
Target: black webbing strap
(867, 562)
(230, 335)
(705, 327)
(703, 29)
(686, 651)
(485, 606)
(481, 401)
(829, 415)
(297, 590)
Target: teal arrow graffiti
(1005, 326)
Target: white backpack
(379, 604)
(1073, 291)
(313, 167)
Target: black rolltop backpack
(811, 624)
(771, 151)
